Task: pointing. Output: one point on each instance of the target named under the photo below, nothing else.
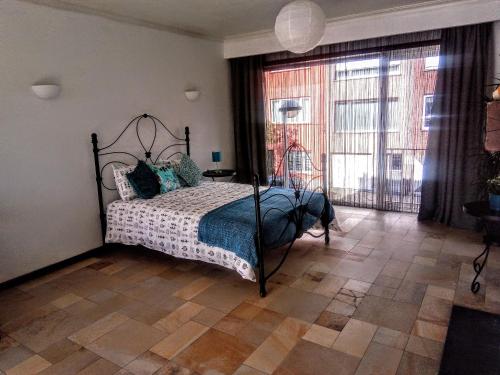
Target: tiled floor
(377, 300)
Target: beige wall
(109, 72)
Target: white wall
(109, 72)
(377, 24)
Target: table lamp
(216, 158)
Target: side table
(491, 223)
(217, 173)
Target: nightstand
(491, 223)
(218, 173)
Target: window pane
(356, 116)
(363, 115)
(427, 115)
(396, 162)
(431, 62)
(363, 69)
(298, 161)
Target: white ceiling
(219, 19)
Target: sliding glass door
(377, 130)
(369, 112)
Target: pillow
(174, 164)
(123, 186)
(188, 171)
(144, 181)
(169, 163)
(166, 177)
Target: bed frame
(259, 195)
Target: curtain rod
(332, 55)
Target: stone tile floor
(377, 300)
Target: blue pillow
(144, 181)
(166, 177)
(188, 171)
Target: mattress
(169, 223)
(214, 222)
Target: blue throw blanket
(232, 227)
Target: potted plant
(494, 193)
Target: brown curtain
(248, 117)
(455, 157)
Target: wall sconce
(192, 94)
(46, 91)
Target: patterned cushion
(123, 186)
(173, 163)
(144, 181)
(188, 171)
(166, 177)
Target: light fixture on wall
(300, 25)
(192, 94)
(46, 91)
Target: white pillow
(124, 188)
(169, 163)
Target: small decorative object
(496, 94)
(300, 25)
(216, 158)
(46, 91)
(192, 94)
(494, 193)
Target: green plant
(493, 185)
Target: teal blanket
(232, 227)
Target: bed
(223, 223)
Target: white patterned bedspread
(169, 223)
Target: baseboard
(48, 269)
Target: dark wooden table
(217, 173)
(491, 223)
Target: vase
(495, 202)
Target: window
(358, 116)
(431, 62)
(363, 69)
(365, 111)
(299, 161)
(396, 162)
(427, 116)
(303, 116)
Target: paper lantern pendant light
(300, 25)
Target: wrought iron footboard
(298, 210)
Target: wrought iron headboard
(107, 150)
